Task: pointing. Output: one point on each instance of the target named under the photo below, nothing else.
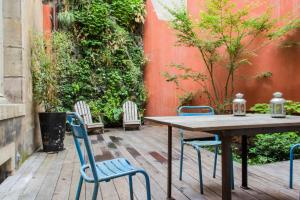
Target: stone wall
(17, 133)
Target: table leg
(226, 167)
(169, 183)
(244, 162)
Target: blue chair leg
(200, 170)
(148, 189)
(291, 166)
(79, 188)
(130, 187)
(181, 161)
(293, 147)
(215, 161)
(95, 192)
(232, 172)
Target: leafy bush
(272, 147)
(261, 108)
(110, 58)
(291, 107)
(48, 61)
(266, 148)
(128, 13)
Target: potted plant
(45, 77)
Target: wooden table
(226, 126)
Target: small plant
(186, 98)
(264, 75)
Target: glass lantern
(277, 106)
(239, 105)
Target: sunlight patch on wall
(161, 10)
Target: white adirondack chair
(83, 109)
(131, 116)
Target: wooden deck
(55, 176)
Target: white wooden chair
(83, 109)
(131, 116)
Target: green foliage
(291, 108)
(223, 26)
(109, 59)
(261, 108)
(264, 75)
(266, 148)
(186, 98)
(128, 13)
(272, 147)
(45, 70)
(65, 19)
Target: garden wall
(159, 42)
(17, 133)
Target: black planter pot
(53, 128)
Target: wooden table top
(226, 122)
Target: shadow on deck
(55, 176)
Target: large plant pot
(53, 128)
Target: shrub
(272, 147)
(49, 60)
(291, 108)
(110, 58)
(266, 148)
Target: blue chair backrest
(79, 132)
(196, 111)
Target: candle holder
(277, 106)
(239, 105)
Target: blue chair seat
(198, 143)
(109, 169)
(96, 172)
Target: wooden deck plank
(63, 185)
(55, 176)
(137, 183)
(12, 180)
(133, 159)
(207, 166)
(142, 157)
(48, 185)
(33, 188)
(17, 188)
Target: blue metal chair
(100, 171)
(197, 143)
(292, 149)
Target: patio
(55, 176)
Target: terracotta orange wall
(47, 27)
(160, 49)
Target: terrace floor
(55, 176)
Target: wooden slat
(17, 188)
(49, 183)
(12, 180)
(228, 122)
(83, 109)
(130, 114)
(62, 187)
(55, 176)
(33, 188)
